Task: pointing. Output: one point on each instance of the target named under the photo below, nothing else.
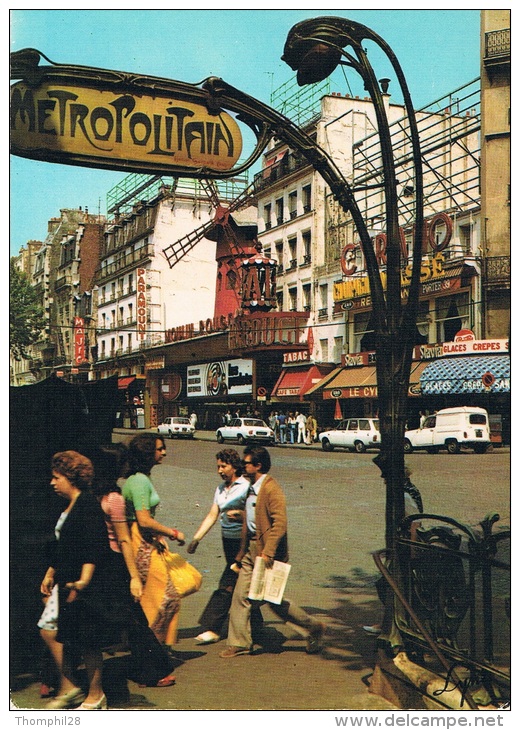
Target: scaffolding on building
(135, 187)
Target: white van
(451, 428)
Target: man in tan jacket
(264, 533)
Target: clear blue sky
(438, 50)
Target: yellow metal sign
(96, 127)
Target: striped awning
(459, 375)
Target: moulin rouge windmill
(246, 280)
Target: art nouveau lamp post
(314, 48)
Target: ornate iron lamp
(314, 48)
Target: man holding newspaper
(264, 540)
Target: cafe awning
(123, 383)
(461, 375)
(360, 382)
(295, 382)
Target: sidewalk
(126, 434)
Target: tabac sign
(83, 116)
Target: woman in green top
(160, 600)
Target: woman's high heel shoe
(101, 704)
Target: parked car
(245, 430)
(176, 427)
(358, 434)
(450, 429)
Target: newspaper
(268, 584)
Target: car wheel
(453, 446)
(241, 440)
(326, 445)
(359, 447)
(220, 438)
(408, 448)
(170, 434)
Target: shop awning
(295, 382)
(460, 375)
(360, 382)
(123, 383)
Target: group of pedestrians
(293, 427)
(107, 575)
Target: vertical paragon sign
(141, 304)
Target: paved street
(336, 519)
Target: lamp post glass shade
(313, 47)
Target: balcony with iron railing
(270, 175)
(117, 267)
(63, 281)
(497, 52)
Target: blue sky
(438, 51)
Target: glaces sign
(104, 125)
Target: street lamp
(314, 48)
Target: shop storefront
(476, 380)
(294, 381)
(131, 413)
(465, 371)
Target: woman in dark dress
(76, 564)
(151, 664)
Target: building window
(279, 256)
(292, 252)
(324, 296)
(130, 313)
(293, 298)
(324, 345)
(338, 349)
(306, 242)
(306, 197)
(267, 216)
(451, 315)
(279, 300)
(306, 295)
(279, 211)
(293, 204)
(363, 333)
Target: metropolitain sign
(113, 120)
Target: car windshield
(376, 423)
(254, 422)
(180, 420)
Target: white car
(358, 434)
(176, 427)
(244, 430)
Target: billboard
(220, 378)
